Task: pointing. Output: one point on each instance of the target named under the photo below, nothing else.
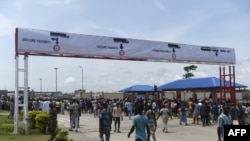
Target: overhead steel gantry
(57, 44)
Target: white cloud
(200, 74)
(176, 77)
(55, 2)
(245, 70)
(6, 25)
(69, 80)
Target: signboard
(48, 43)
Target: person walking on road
(45, 106)
(12, 108)
(164, 113)
(117, 113)
(62, 107)
(129, 107)
(223, 119)
(140, 124)
(105, 121)
(205, 113)
(240, 115)
(196, 113)
(74, 116)
(215, 111)
(152, 122)
(183, 117)
(52, 121)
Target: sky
(221, 23)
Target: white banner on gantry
(41, 42)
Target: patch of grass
(7, 127)
(31, 137)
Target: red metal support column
(227, 84)
(220, 85)
(233, 92)
(224, 89)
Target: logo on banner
(236, 132)
(56, 47)
(121, 41)
(55, 38)
(174, 46)
(121, 52)
(174, 56)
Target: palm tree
(188, 70)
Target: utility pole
(56, 78)
(82, 76)
(41, 80)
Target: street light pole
(41, 84)
(56, 79)
(82, 76)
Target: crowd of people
(108, 111)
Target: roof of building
(196, 83)
(138, 88)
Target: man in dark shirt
(241, 115)
(52, 121)
(105, 122)
(204, 112)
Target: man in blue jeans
(74, 117)
(140, 123)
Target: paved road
(88, 130)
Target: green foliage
(188, 74)
(21, 112)
(36, 119)
(62, 135)
(32, 118)
(41, 121)
(6, 125)
(6, 128)
(21, 130)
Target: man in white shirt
(154, 106)
(129, 106)
(45, 106)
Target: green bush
(32, 118)
(62, 135)
(21, 112)
(41, 121)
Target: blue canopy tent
(211, 84)
(138, 88)
(207, 83)
(139, 91)
(196, 83)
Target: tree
(188, 70)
